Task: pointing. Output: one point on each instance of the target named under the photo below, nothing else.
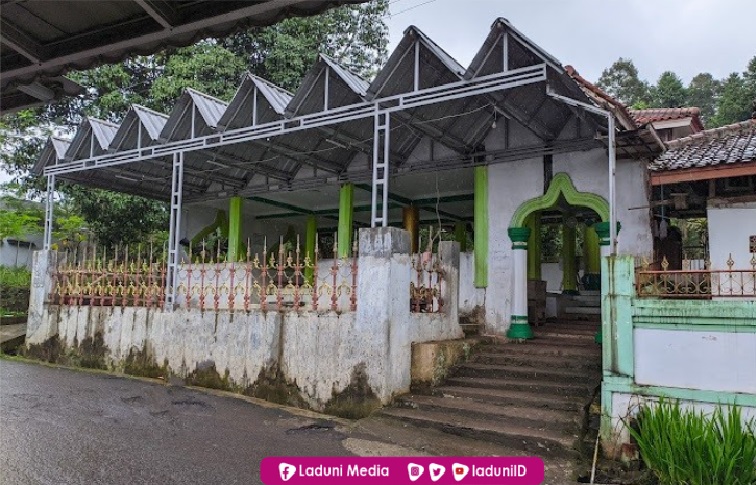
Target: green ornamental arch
(561, 184)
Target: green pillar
(460, 235)
(604, 237)
(569, 273)
(519, 327)
(480, 226)
(311, 235)
(592, 257)
(534, 246)
(346, 205)
(234, 228)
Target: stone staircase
(532, 396)
(584, 307)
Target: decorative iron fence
(426, 284)
(282, 278)
(697, 284)
(116, 277)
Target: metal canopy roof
(44, 39)
(269, 140)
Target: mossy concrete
(432, 361)
(355, 401)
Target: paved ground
(63, 426)
(74, 427)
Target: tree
(734, 102)
(355, 35)
(669, 91)
(622, 82)
(703, 92)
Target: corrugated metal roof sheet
(104, 131)
(60, 145)
(450, 62)
(210, 108)
(278, 97)
(54, 150)
(152, 121)
(354, 81)
(75, 34)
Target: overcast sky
(684, 36)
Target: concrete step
(555, 389)
(566, 333)
(538, 373)
(583, 310)
(589, 293)
(506, 397)
(531, 440)
(586, 299)
(532, 360)
(547, 346)
(542, 418)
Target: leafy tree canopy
(356, 35)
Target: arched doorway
(577, 211)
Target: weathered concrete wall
(714, 361)
(589, 172)
(700, 352)
(345, 363)
(730, 227)
(470, 297)
(509, 185)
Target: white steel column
(381, 148)
(174, 233)
(49, 212)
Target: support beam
(49, 212)
(235, 207)
(174, 234)
(411, 223)
(311, 236)
(346, 203)
(20, 42)
(480, 226)
(161, 12)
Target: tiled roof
(600, 97)
(643, 116)
(719, 146)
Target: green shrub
(691, 448)
(14, 290)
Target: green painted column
(234, 228)
(569, 269)
(519, 327)
(311, 235)
(480, 226)
(460, 235)
(534, 246)
(604, 237)
(346, 207)
(592, 258)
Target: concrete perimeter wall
(345, 363)
(700, 352)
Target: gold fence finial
(730, 262)
(665, 264)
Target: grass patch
(682, 446)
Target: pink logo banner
(401, 471)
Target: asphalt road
(60, 426)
